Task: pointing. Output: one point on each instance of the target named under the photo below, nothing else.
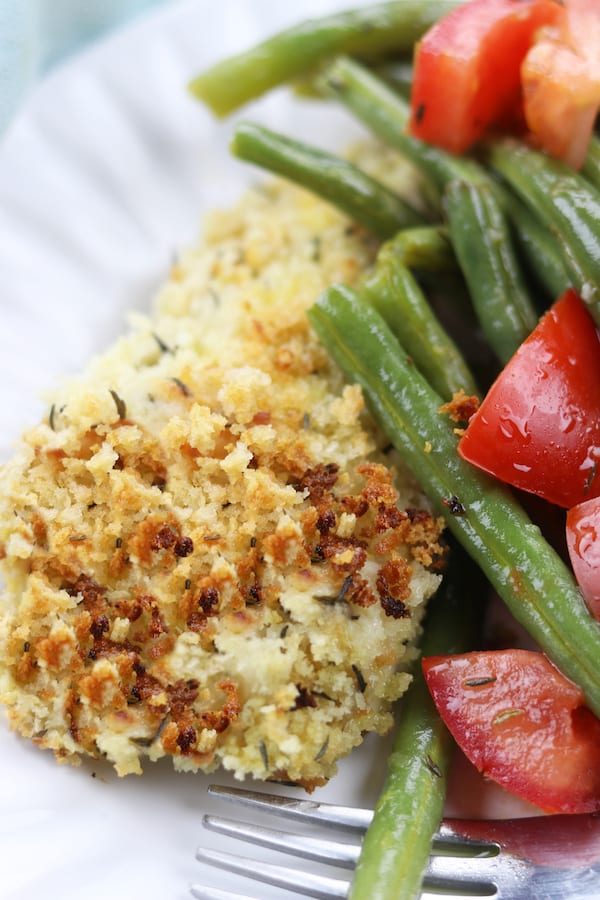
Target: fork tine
(452, 873)
(471, 876)
(538, 858)
(296, 808)
(449, 883)
(332, 815)
(309, 884)
(319, 849)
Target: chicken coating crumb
(208, 552)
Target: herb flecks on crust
(205, 543)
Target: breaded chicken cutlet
(207, 551)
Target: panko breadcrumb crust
(207, 550)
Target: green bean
(591, 166)
(481, 240)
(526, 572)
(397, 844)
(395, 294)
(537, 244)
(427, 248)
(361, 197)
(368, 32)
(398, 74)
(564, 201)
(308, 87)
(386, 114)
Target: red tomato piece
(467, 70)
(583, 543)
(561, 83)
(522, 724)
(538, 427)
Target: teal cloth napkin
(36, 34)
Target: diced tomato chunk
(583, 543)
(561, 82)
(521, 723)
(467, 75)
(538, 427)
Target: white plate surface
(105, 173)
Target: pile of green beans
(371, 32)
(526, 572)
(519, 228)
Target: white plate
(105, 173)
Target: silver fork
(534, 858)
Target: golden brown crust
(213, 561)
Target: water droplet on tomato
(544, 361)
(521, 467)
(513, 426)
(567, 419)
(591, 459)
